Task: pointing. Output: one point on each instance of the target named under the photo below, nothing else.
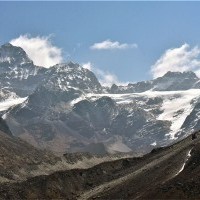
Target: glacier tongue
(177, 109)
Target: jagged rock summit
(10, 54)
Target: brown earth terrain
(165, 173)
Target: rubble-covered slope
(148, 177)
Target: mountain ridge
(67, 109)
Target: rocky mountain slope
(20, 161)
(165, 173)
(65, 108)
(17, 71)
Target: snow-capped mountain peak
(12, 55)
(17, 71)
(72, 76)
(68, 107)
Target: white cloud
(109, 45)
(180, 59)
(39, 49)
(105, 77)
(87, 65)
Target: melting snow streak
(183, 166)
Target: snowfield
(5, 105)
(183, 104)
(176, 106)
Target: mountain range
(63, 135)
(65, 109)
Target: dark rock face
(86, 122)
(95, 116)
(192, 121)
(4, 127)
(12, 55)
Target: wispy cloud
(180, 59)
(39, 49)
(110, 45)
(106, 78)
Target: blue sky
(75, 26)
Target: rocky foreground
(165, 173)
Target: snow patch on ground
(5, 105)
(154, 144)
(77, 100)
(183, 166)
(5, 59)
